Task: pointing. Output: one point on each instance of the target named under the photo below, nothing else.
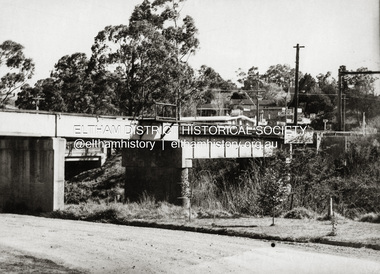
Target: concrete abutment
(161, 172)
(31, 174)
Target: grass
(118, 212)
(348, 231)
(164, 215)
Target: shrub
(103, 184)
(370, 217)
(300, 213)
(204, 191)
(353, 213)
(326, 217)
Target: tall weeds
(352, 180)
(228, 185)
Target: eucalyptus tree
(282, 75)
(72, 87)
(69, 75)
(208, 78)
(148, 57)
(262, 85)
(16, 67)
(328, 86)
(45, 95)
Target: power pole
(341, 73)
(37, 101)
(296, 83)
(344, 112)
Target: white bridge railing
(65, 125)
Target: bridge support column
(159, 171)
(31, 174)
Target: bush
(224, 185)
(300, 213)
(353, 213)
(326, 217)
(204, 191)
(370, 217)
(103, 184)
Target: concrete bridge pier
(160, 171)
(31, 174)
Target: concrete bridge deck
(156, 153)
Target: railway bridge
(157, 153)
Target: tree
(148, 56)
(71, 79)
(272, 193)
(48, 93)
(73, 87)
(257, 84)
(208, 78)
(328, 86)
(364, 83)
(132, 66)
(208, 88)
(315, 101)
(359, 89)
(251, 79)
(18, 69)
(281, 75)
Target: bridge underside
(160, 168)
(161, 172)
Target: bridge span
(156, 153)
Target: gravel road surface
(29, 244)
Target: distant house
(241, 103)
(218, 105)
(267, 109)
(247, 106)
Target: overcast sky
(233, 33)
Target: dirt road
(61, 246)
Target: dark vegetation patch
(300, 213)
(103, 184)
(371, 218)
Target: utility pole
(37, 101)
(341, 72)
(344, 112)
(286, 103)
(296, 83)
